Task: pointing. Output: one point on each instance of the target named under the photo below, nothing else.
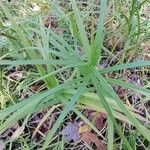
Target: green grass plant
(51, 54)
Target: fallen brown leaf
(90, 138)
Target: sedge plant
(52, 54)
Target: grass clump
(63, 60)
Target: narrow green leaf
(110, 133)
(137, 89)
(83, 36)
(144, 131)
(96, 45)
(36, 98)
(69, 106)
(126, 66)
(34, 62)
(24, 41)
(108, 108)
